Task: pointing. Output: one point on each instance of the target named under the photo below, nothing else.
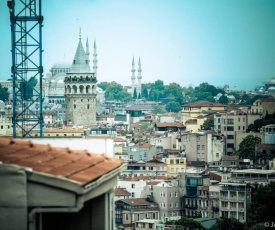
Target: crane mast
(27, 70)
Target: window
(230, 145)
(133, 185)
(230, 128)
(198, 147)
(171, 205)
(170, 194)
(176, 194)
(217, 154)
(230, 137)
(133, 194)
(202, 147)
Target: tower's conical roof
(81, 60)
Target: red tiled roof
(169, 124)
(267, 99)
(119, 139)
(153, 182)
(199, 104)
(137, 201)
(205, 188)
(121, 192)
(78, 165)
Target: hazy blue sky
(184, 41)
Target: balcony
(188, 206)
(241, 198)
(215, 209)
(224, 208)
(203, 207)
(233, 188)
(233, 198)
(224, 198)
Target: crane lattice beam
(27, 70)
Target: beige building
(5, 126)
(230, 124)
(198, 108)
(263, 106)
(203, 146)
(175, 165)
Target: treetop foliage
(4, 93)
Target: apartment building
(234, 200)
(203, 146)
(203, 201)
(192, 183)
(198, 108)
(263, 106)
(214, 206)
(141, 152)
(175, 165)
(151, 168)
(128, 211)
(230, 124)
(258, 176)
(167, 195)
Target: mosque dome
(62, 65)
(271, 82)
(60, 83)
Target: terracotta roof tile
(121, 192)
(78, 165)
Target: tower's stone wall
(80, 98)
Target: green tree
(4, 94)
(174, 90)
(262, 209)
(173, 106)
(208, 124)
(223, 99)
(247, 147)
(157, 109)
(27, 87)
(144, 93)
(227, 224)
(135, 94)
(115, 91)
(187, 223)
(103, 85)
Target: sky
(221, 42)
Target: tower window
(88, 106)
(74, 106)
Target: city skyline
(187, 42)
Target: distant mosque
(136, 86)
(53, 87)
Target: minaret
(139, 78)
(95, 60)
(133, 76)
(87, 50)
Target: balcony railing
(191, 206)
(224, 208)
(215, 209)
